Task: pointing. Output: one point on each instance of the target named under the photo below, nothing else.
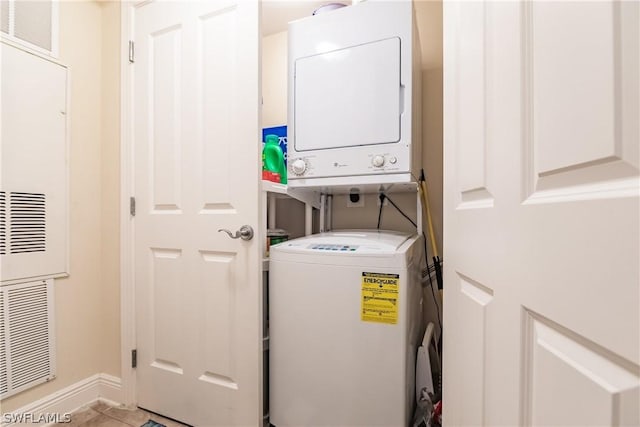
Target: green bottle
(273, 168)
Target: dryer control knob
(377, 161)
(298, 166)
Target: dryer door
(348, 97)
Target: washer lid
(354, 242)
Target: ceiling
(277, 13)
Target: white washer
(345, 322)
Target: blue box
(281, 131)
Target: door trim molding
(127, 284)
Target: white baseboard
(101, 387)
(110, 389)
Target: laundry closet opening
(346, 148)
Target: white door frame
(127, 283)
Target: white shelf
(309, 196)
(274, 187)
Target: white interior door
(196, 141)
(541, 255)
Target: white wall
(87, 302)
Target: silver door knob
(245, 233)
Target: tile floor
(100, 414)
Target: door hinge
(134, 358)
(131, 52)
(132, 206)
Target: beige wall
(429, 19)
(274, 89)
(289, 212)
(87, 302)
(110, 188)
(274, 80)
(432, 145)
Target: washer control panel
(333, 248)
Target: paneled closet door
(541, 305)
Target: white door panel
(580, 100)
(541, 213)
(196, 127)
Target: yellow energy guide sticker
(379, 301)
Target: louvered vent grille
(27, 223)
(29, 334)
(3, 224)
(26, 336)
(32, 22)
(4, 16)
(29, 21)
(4, 384)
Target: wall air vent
(26, 336)
(33, 141)
(3, 224)
(4, 382)
(27, 223)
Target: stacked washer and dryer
(345, 307)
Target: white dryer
(355, 96)
(345, 323)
